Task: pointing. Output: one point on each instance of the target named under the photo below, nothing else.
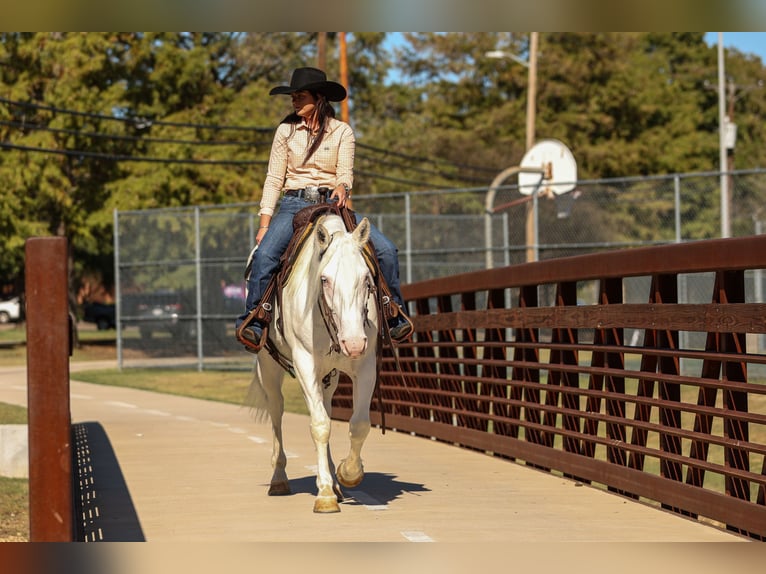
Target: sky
(745, 42)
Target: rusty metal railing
(506, 361)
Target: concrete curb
(14, 451)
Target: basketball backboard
(558, 164)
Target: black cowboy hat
(312, 80)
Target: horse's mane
(308, 260)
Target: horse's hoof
(279, 489)
(326, 505)
(345, 481)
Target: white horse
(329, 321)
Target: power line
(136, 120)
(117, 157)
(361, 172)
(421, 170)
(120, 137)
(425, 159)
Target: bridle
(328, 316)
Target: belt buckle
(311, 193)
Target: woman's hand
(264, 227)
(342, 195)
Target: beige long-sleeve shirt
(330, 166)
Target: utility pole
(322, 50)
(343, 75)
(725, 227)
(531, 65)
(733, 93)
(531, 112)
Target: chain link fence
(179, 272)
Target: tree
(92, 122)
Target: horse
(329, 324)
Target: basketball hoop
(557, 164)
(548, 169)
(565, 202)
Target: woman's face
(304, 103)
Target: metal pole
(198, 270)
(535, 227)
(506, 241)
(117, 289)
(488, 263)
(677, 199)
(725, 228)
(49, 332)
(408, 235)
(489, 203)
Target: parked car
(10, 310)
(102, 314)
(161, 311)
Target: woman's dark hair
(325, 111)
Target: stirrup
(248, 343)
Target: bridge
(163, 468)
(558, 429)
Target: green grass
(94, 345)
(14, 509)
(222, 386)
(14, 492)
(12, 414)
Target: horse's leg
(329, 386)
(350, 471)
(326, 500)
(268, 374)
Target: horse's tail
(257, 399)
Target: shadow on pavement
(104, 510)
(380, 487)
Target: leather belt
(310, 194)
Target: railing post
(51, 507)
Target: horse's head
(346, 285)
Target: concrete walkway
(170, 468)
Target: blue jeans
(274, 244)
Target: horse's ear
(323, 237)
(362, 232)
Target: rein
(329, 322)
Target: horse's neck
(303, 284)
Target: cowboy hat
(312, 80)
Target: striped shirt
(330, 166)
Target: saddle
(303, 224)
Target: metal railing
(659, 400)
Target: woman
(312, 151)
